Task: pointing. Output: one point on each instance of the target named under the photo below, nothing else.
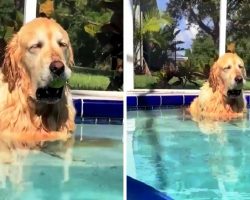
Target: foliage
(11, 19)
(243, 49)
(110, 35)
(202, 52)
(238, 19)
(153, 21)
(75, 16)
(152, 82)
(205, 14)
(160, 45)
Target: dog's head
(228, 75)
(39, 53)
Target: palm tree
(146, 22)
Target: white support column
(29, 10)
(223, 25)
(128, 57)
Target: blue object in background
(137, 190)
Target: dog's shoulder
(206, 93)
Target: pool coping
(97, 95)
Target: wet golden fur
(23, 70)
(213, 101)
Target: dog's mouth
(49, 95)
(234, 93)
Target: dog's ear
(214, 77)
(10, 68)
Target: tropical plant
(11, 19)
(110, 37)
(152, 22)
(161, 45)
(203, 51)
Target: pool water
(186, 161)
(86, 168)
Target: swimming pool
(173, 154)
(90, 167)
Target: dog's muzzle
(50, 94)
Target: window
(96, 32)
(175, 42)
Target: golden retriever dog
(221, 98)
(29, 108)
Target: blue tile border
(188, 99)
(111, 111)
(78, 106)
(172, 100)
(248, 100)
(132, 101)
(150, 102)
(94, 120)
(103, 109)
(98, 111)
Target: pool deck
(97, 95)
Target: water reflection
(202, 159)
(14, 152)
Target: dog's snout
(238, 79)
(56, 67)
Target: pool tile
(102, 121)
(132, 108)
(248, 99)
(189, 99)
(132, 101)
(78, 120)
(156, 107)
(118, 121)
(172, 100)
(110, 109)
(149, 101)
(88, 120)
(78, 106)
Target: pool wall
(93, 111)
(154, 100)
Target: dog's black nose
(238, 79)
(56, 67)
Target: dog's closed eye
(227, 67)
(36, 46)
(62, 44)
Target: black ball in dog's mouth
(49, 94)
(234, 93)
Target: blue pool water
(89, 168)
(176, 156)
